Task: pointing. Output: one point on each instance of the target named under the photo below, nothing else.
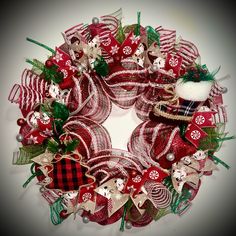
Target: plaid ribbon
(178, 109)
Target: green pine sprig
(52, 146)
(214, 139)
(199, 73)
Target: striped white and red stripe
(167, 39)
(188, 51)
(30, 93)
(80, 29)
(216, 90)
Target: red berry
(182, 72)
(63, 214)
(204, 71)
(79, 54)
(21, 121)
(133, 173)
(49, 63)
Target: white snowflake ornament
(134, 39)
(114, 50)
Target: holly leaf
(70, 147)
(52, 146)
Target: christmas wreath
(65, 100)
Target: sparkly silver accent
(225, 90)
(85, 219)
(19, 137)
(170, 156)
(128, 225)
(95, 20)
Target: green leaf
(34, 174)
(46, 108)
(60, 114)
(137, 28)
(219, 161)
(101, 67)
(127, 207)
(48, 74)
(58, 127)
(38, 66)
(214, 139)
(52, 146)
(60, 111)
(26, 153)
(41, 45)
(71, 146)
(120, 37)
(52, 74)
(152, 36)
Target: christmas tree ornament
(65, 100)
